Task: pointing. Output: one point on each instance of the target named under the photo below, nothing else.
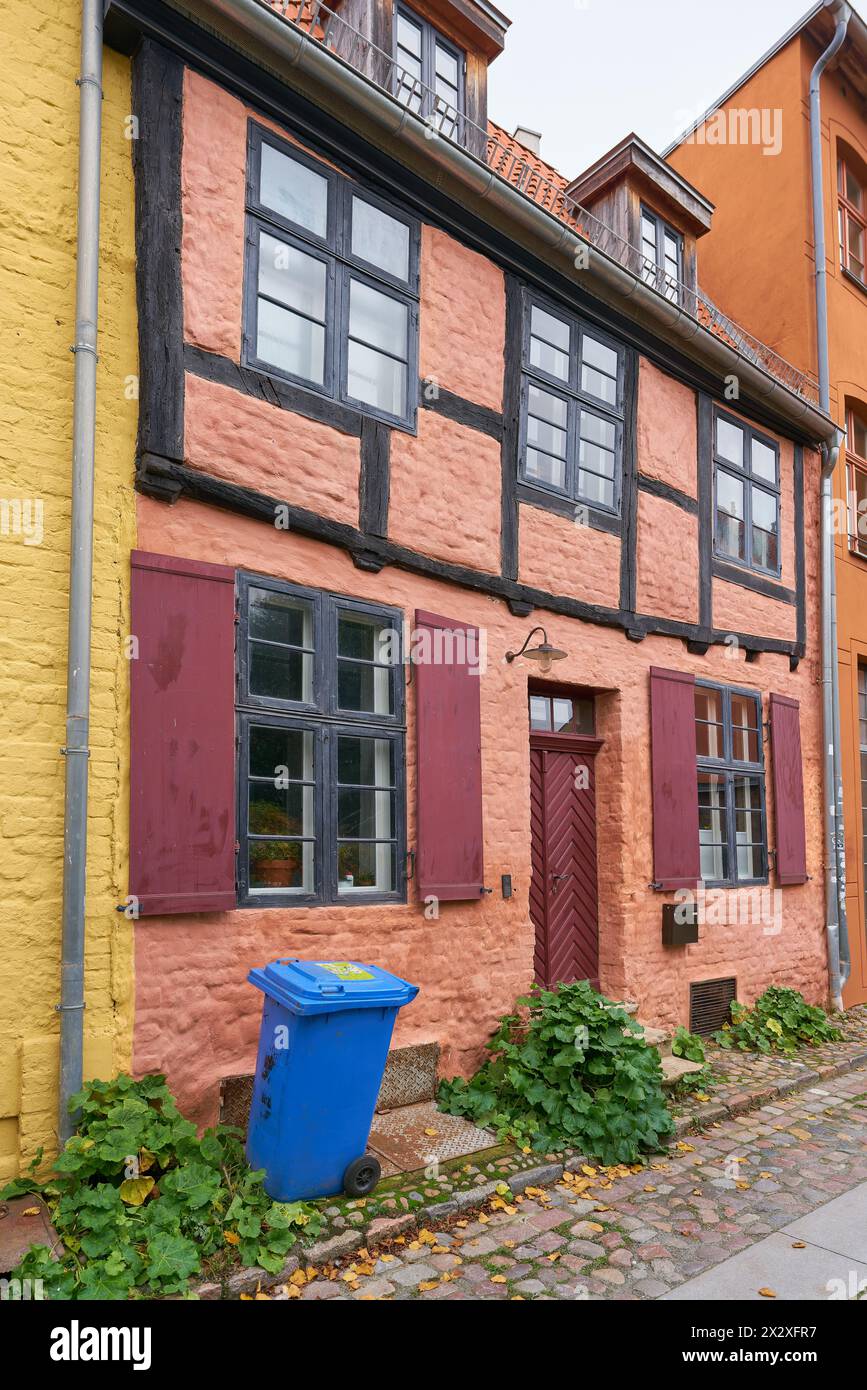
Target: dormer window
(429, 73)
(661, 255)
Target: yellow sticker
(345, 970)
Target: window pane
(730, 529)
(294, 191)
(857, 441)
(545, 468)
(597, 430)
(379, 239)
(287, 274)
(281, 866)
(366, 638)
(856, 247)
(361, 866)
(280, 617)
(377, 319)
(409, 35)
(853, 190)
(281, 754)
(281, 639)
(407, 78)
(596, 384)
(712, 826)
(377, 380)
(709, 726)
(730, 442)
(764, 461)
(598, 355)
(572, 716)
(540, 712)
(363, 687)
(596, 460)
(746, 746)
(281, 807)
(549, 343)
(365, 761)
(546, 421)
(765, 525)
(291, 343)
(596, 490)
(365, 814)
(446, 65)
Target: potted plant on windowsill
(274, 863)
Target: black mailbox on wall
(679, 924)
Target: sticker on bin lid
(345, 970)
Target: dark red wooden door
(564, 901)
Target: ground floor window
(731, 785)
(321, 748)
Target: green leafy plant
(781, 1020)
(688, 1045)
(141, 1203)
(570, 1071)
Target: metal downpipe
(835, 853)
(76, 751)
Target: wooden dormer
(447, 44)
(652, 208)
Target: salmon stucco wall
(563, 557)
(39, 62)
(463, 326)
(246, 440)
(666, 433)
(198, 1019)
(667, 565)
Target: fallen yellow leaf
(799, 1245)
(588, 1171)
(34, 1211)
(427, 1284)
(767, 1293)
(498, 1278)
(483, 1218)
(431, 1132)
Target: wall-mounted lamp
(545, 654)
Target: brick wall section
(38, 153)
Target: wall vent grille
(710, 1004)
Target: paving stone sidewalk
(629, 1235)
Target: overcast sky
(587, 72)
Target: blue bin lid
(328, 986)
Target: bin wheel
(361, 1176)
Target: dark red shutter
(449, 750)
(182, 741)
(676, 861)
(788, 790)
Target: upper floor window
(572, 408)
(856, 462)
(320, 703)
(332, 283)
(747, 495)
(429, 73)
(661, 255)
(852, 217)
(731, 785)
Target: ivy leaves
(572, 1070)
(781, 1020)
(139, 1201)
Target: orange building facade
(751, 156)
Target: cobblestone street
(634, 1235)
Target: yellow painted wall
(39, 62)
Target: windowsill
(598, 518)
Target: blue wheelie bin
(326, 1029)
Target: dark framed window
(331, 292)
(661, 254)
(852, 217)
(562, 714)
(321, 748)
(571, 407)
(732, 822)
(746, 495)
(856, 467)
(430, 72)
